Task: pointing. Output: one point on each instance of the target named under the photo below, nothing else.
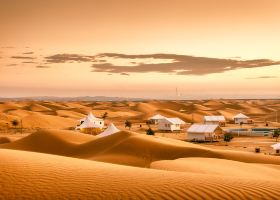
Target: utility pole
(276, 116)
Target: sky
(147, 49)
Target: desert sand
(49, 160)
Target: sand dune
(220, 167)
(4, 140)
(135, 149)
(28, 175)
(66, 113)
(38, 120)
(38, 108)
(86, 167)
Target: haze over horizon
(143, 49)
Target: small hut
(218, 120)
(91, 124)
(204, 132)
(155, 119)
(170, 124)
(241, 118)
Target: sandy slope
(125, 148)
(29, 175)
(222, 167)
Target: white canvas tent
(154, 119)
(203, 132)
(90, 124)
(109, 131)
(218, 119)
(276, 146)
(241, 118)
(170, 124)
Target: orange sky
(236, 29)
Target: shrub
(128, 124)
(228, 137)
(149, 131)
(276, 134)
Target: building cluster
(209, 130)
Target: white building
(218, 120)
(170, 124)
(156, 118)
(202, 132)
(241, 118)
(90, 124)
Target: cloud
(161, 63)
(28, 52)
(42, 66)
(63, 58)
(10, 65)
(8, 47)
(22, 57)
(29, 62)
(181, 65)
(263, 77)
(124, 74)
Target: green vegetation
(276, 134)
(228, 137)
(128, 124)
(105, 115)
(149, 131)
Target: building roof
(217, 118)
(91, 117)
(240, 116)
(89, 122)
(202, 128)
(109, 131)
(175, 120)
(158, 116)
(276, 146)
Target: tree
(105, 115)
(128, 124)
(15, 123)
(149, 131)
(276, 134)
(228, 137)
(148, 122)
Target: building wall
(195, 136)
(164, 125)
(238, 120)
(222, 123)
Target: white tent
(109, 131)
(219, 119)
(170, 124)
(176, 120)
(203, 128)
(203, 131)
(241, 118)
(155, 119)
(158, 116)
(276, 146)
(90, 121)
(89, 116)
